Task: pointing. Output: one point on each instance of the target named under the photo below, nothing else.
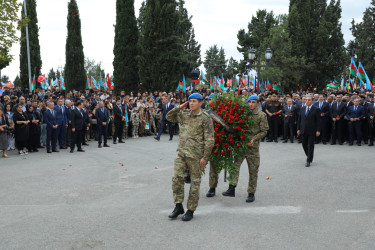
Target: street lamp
(252, 56)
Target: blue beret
(210, 96)
(196, 96)
(253, 97)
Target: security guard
(273, 110)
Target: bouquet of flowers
(235, 113)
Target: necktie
(103, 110)
(320, 105)
(355, 108)
(307, 110)
(289, 108)
(338, 104)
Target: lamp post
(252, 57)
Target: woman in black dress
(4, 124)
(21, 129)
(34, 127)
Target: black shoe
(211, 192)
(351, 144)
(333, 143)
(359, 144)
(55, 151)
(63, 147)
(35, 150)
(114, 142)
(85, 144)
(99, 146)
(371, 144)
(231, 192)
(188, 179)
(106, 145)
(188, 215)
(341, 143)
(365, 142)
(179, 209)
(291, 141)
(170, 139)
(324, 143)
(80, 150)
(40, 147)
(286, 141)
(72, 151)
(121, 142)
(157, 138)
(307, 164)
(250, 198)
(48, 151)
(276, 141)
(270, 140)
(262, 140)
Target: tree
(161, 46)
(17, 82)
(125, 65)
(5, 79)
(363, 45)
(51, 75)
(215, 62)
(75, 77)
(35, 59)
(141, 16)
(232, 69)
(94, 69)
(10, 23)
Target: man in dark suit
(165, 108)
(370, 117)
(77, 117)
(86, 122)
(51, 121)
(289, 114)
(308, 127)
(355, 114)
(364, 122)
(102, 117)
(61, 122)
(324, 113)
(68, 131)
(338, 112)
(119, 120)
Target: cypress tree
(161, 46)
(75, 76)
(125, 73)
(35, 59)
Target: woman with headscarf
(21, 131)
(34, 127)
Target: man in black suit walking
(308, 127)
(289, 113)
(77, 121)
(165, 108)
(338, 112)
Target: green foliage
(51, 75)
(4, 78)
(228, 107)
(232, 69)
(17, 82)
(74, 72)
(35, 59)
(94, 69)
(125, 65)
(364, 40)
(215, 62)
(9, 23)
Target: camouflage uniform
(214, 176)
(135, 122)
(142, 120)
(152, 122)
(196, 142)
(252, 154)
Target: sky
(214, 21)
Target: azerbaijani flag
(353, 68)
(62, 83)
(333, 84)
(109, 84)
(93, 82)
(364, 77)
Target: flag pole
(28, 47)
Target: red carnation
(236, 119)
(211, 105)
(231, 117)
(218, 109)
(246, 117)
(231, 141)
(242, 138)
(221, 105)
(238, 145)
(224, 117)
(242, 109)
(239, 128)
(222, 152)
(236, 103)
(217, 101)
(245, 126)
(225, 145)
(235, 128)
(218, 125)
(215, 129)
(221, 140)
(339, 116)
(235, 107)
(224, 100)
(231, 110)
(229, 137)
(244, 131)
(236, 115)
(241, 121)
(216, 140)
(215, 152)
(222, 132)
(216, 145)
(230, 121)
(228, 150)
(226, 113)
(217, 135)
(218, 113)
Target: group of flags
(48, 84)
(91, 83)
(7, 85)
(360, 74)
(219, 84)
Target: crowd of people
(58, 119)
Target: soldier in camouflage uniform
(252, 154)
(195, 146)
(142, 120)
(152, 120)
(135, 122)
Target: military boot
(179, 209)
(231, 192)
(250, 198)
(211, 192)
(188, 215)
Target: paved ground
(119, 198)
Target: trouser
(10, 141)
(183, 164)
(324, 130)
(68, 135)
(119, 127)
(365, 130)
(33, 142)
(51, 139)
(273, 125)
(135, 130)
(371, 131)
(355, 127)
(338, 131)
(214, 176)
(21, 144)
(308, 143)
(170, 128)
(288, 130)
(76, 139)
(253, 162)
(43, 129)
(153, 126)
(102, 131)
(125, 130)
(60, 134)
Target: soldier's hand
(317, 133)
(334, 119)
(251, 143)
(298, 132)
(203, 163)
(371, 117)
(183, 106)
